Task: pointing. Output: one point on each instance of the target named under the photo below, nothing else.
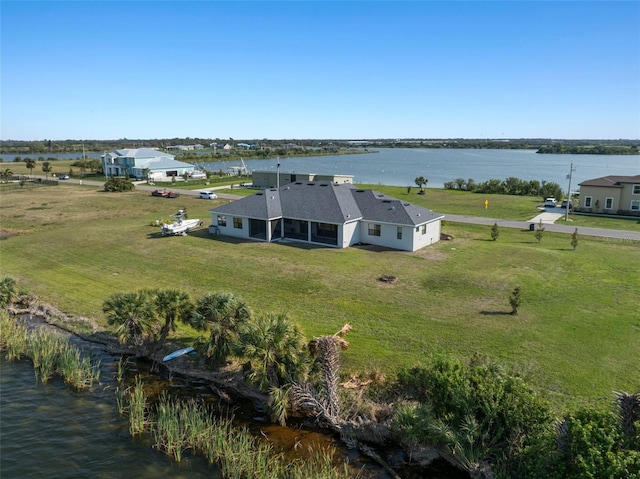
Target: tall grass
(51, 354)
(13, 338)
(180, 426)
(133, 401)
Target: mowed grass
(507, 207)
(577, 332)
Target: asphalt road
(624, 235)
(556, 228)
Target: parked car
(63, 177)
(162, 193)
(550, 203)
(564, 205)
(208, 195)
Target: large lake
(400, 166)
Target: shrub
(115, 184)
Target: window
(635, 205)
(237, 223)
(222, 220)
(636, 190)
(588, 200)
(424, 229)
(608, 203)
(399, 232)
(374, 230)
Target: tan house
(611, 194)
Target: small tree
(46, 167)
(420, 181)
(540, 232)
(494, 231)
(114, 184)
(574, 239)
(31, 164)
(515, 300)
(6, 174)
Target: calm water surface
(400, 166)
(49, 431)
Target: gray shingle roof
(385, 209)
(326, 202)
(264, 204)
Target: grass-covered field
(577, 332)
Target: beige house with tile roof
(611, 194)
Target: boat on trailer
(180, 225)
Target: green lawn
(508, 207)
(577, 332)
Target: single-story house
(611, 194)
(330, 214)
(269, 179)
(144, 163)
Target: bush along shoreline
(479, 416)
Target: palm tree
(31, 164)
(421, 180)
(133, 313)
(222, 314)
(172, 305)
(7, 174)
(274, 346)
(628, 410)
(46, 167)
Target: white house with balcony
(329, 214)
(142, 163)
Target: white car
(550, 203)
(208, 195)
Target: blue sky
(326, 69)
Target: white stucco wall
(431, 236)
(229, 230)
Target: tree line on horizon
(543, 145)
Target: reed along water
(49, 430)
(52, 431)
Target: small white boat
(178, 353)
(181, 225)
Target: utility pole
(570, 175)
(278, 174)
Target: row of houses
(329, 210)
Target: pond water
(49, 430)
(400, 166)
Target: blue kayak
(178, 353)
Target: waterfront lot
(577, 332)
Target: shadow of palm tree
(496, 313)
